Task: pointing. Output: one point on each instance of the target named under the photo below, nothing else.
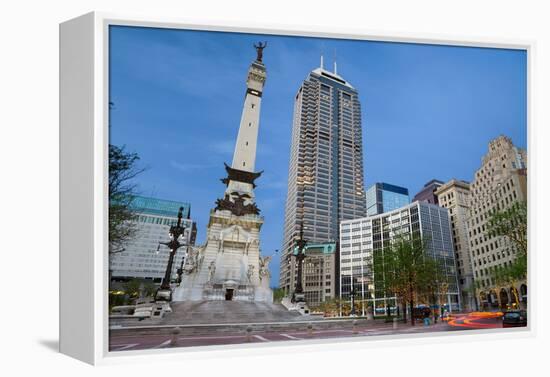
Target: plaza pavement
(164, 337)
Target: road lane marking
(165, 343)
(261, 338)
(290, 337)
(123, 347)
(211, 337)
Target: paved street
(476, 320)
(139, 340)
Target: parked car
(514, 318)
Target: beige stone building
(498, 183)
(455, 196)
(318, 272)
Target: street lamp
(301, 243)
(164, 293)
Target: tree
(122, 170)
(132, 288)
(329, 307)
(278, 294)
(409, 271)
(149, 289)
(433, 284)
(511, 223)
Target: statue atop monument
(260, 50)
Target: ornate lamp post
(301, 244)
(165, 292)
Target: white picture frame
(83, 180)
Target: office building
(325, 180)
(384, 197)
(143, 257)
(500, 182)
(361, 256)
(455, 196)
(318, 272)
(427, 194)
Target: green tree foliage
(149, 289)
(331, 307)
(133, 288)
(511, 223)
(409, 271)
(278, 294)
(122, 170)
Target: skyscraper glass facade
(362, 243)
(154, 206)
(325, 184)
(142, 257)
(384, 197)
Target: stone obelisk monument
(229, 266)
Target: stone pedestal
(229, 266)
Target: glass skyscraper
(142, 257)
(325, 179)
(383, 197)
(362, 243)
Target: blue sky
(428, 111)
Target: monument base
(229, 266)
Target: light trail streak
(474, 320)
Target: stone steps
(216, 312)
(205, 312)
(225, 329)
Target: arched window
(503, 298)
(523, 291)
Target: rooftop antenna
(335, 67)
(323, 55)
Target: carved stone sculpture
(264, 267)
(211, 271)
(192, 261)
(250, 272)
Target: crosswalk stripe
(290, 336)
(261, 338)
(165, 343)
(124, 346)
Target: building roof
(433, 182)
(396, 211)
(160, 207)
(389, 187)
(453, 182)
(332, 76)
(325, 248)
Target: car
(514, 318)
